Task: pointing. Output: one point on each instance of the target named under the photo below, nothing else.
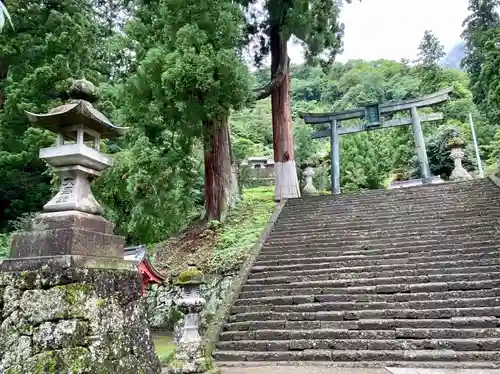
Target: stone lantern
(76, 157)
(456, 147)
(66, 279)
(309, 189)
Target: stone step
(478, 344)
(367, 234)
(419, 203)
(270, 253)
(487, 188)
(398, 333)
(484, 185)
(359, 367)
(362, 245)
(431, 196)
(386, 289)
(332, 273)
(320, 281)
(474, 323)
(395, 194)
(355, 306)
(361, 215)
(423, 224)
(358, 355)
(346, 237)
(397, 297)
(374, 223)
(409, 257)
(443, 313)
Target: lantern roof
(77, 111)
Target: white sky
(393, 29)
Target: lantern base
(68, 233)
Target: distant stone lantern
(76, 157)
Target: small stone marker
(70, 301)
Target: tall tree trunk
(4, 70)
(218, 182)
(286, 182)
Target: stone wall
(161, 313)
(73, 320)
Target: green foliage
(5, 240)
(242, 230)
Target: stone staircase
(405, 277)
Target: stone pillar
(459, 173)
(418, 136)
(335, 146)
(71, 304)
(189, 357)
(309, 189)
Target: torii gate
(372, 114)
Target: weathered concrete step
(269, 253)
(374, 223)
(361, 198)
(359, 367)
(444, 313)
(276, 265)
(445, 188)
(398, 194)
(423, 224)
(363, 216)
(397, 297)
(393, 206)
(332, 238)
(355, 306)
(484, 344)
(318, 281)
(486, 239)
(398, 333)
(367, 234)
(455, 323)
(401, 193)
(330, 273)
(396, 259)
(358, 355)
(388, 289)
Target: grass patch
(242, 230)
(215, 247)
(164, 346)
(5, 240)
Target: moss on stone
(176, 364)
(191, 276)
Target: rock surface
(161, 312)
(73, 320)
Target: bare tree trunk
(218, 181)
(286, 182)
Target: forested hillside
(165, 75)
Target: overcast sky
(392, 29)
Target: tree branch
(281, 72)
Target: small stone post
(189, 357)
(459, 173)
(309, 189)
(71, 304)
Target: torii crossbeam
(372, 114)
